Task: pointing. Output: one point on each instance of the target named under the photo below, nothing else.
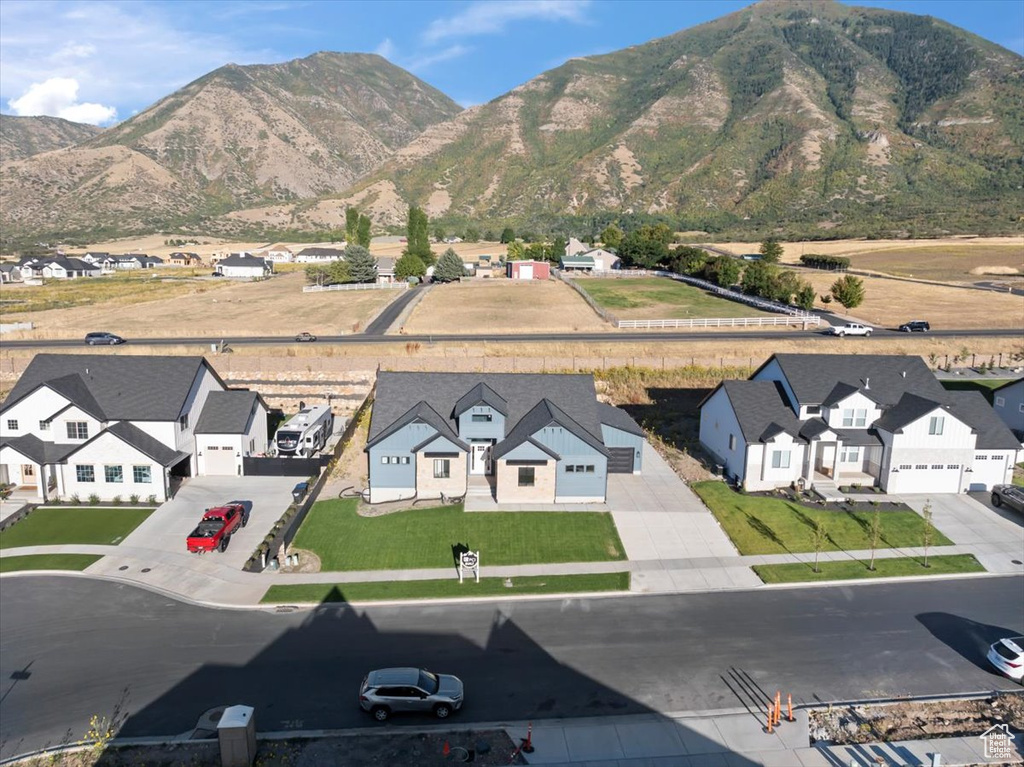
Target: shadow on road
(969, 638)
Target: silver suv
(391, 690)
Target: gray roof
(33, 448)
(123, 387)
(238, 260)
(618, 419)
(813, 377)
(421, 411)
(481, 394)
(907, 410)
(761, 409)
(993, 433)
(572, 396)
(543, 413)
(137, 438)
(335, 252)
(1009, 384)
(862, 437)
(227, 412)
(814, 427)
(9, 267)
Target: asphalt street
(72, 648)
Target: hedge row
(818, 261)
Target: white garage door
(987, 472)
(928, 479)
(526, 271)
(220, 461)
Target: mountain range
(803, 115)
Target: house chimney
(904, 374)
(867, 383)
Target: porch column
(835, 465)
(812, 451)
(60, 480)
(40, 481)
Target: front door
(480, 462)
(28, 474)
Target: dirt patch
(488, 748)
(308, 562)
(849, 725)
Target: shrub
(832, 263)
(151, 499)
(134, 498)
(75, 500)
(94, 498)
(116, 500)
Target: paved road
(629, 337)
(69, 647)
(387, 317)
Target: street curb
(892, 579)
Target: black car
(915, 326)
(106, 339)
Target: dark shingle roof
(862, 437)
(813, 428)
(237, 260)
(972, 408)
(481, 393)
(137, 438)
(33, 448)
(543, 413)
(907, 410)
(124, 387)
(572, 395)
(618, 419)
(336, 252)
(762, 409)
(421, 411)
(814, 376)
(74, 389)
(226, 412)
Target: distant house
(578, 263)
(10, 272)
(131, 261)
(604, 260)
(385, 270)
(527, 270)
(1008, 402)
(575, 247)
(96, 257)
(276, 253)
(319, 255)
(58, 268)
(184, 259)
(245, 266)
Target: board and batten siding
(575, 487)
(395, 481)
(1008, 402)
(108, 450)
(470, 429)
(613, 437)
(718, 423)
(185, 441)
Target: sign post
(469, 560)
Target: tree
(928, 531)
(338, 272)
(449, 267)
(363, 235)
(757, 279)
(611, 236)
(771, 250)
(316, 274)
(507, 235)
(848, 291)
(875, 534)
(418, 241)
(489, 236)
(472, 234)
(516, 251)
(646, 247)
(689, 260)
(556, 249)
(361, 265)
(783, 285)
(351, 226)
(537, 251)
(724, 271)
(819, 537)
(439, 233)
(409, 266)
(805, 296)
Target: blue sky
(102, 61)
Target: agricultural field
(208, 308)
(657, 298)
(502, 306)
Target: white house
(319, 255)
(875, 420)
(10, 272)
(117, 425)
(131, 261)
(233, 425)
(245, 266)
(385, 270)
(604, 260)
(279, 254)
(59, 268)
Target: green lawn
(856, 569)
(47, 562)
(421, 538)
(443, 589)
(984, 385)
(674, 300)
(772, 526)
(73, 524)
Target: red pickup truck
(216, 528)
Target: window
(849, 455)
(732, 441)
(858, 417)
(44, 426)
(385, 459)
(84, 473)
(1020, 408)
(905, 466)
(921, 466)
(953, 466)
(997, 458)
(527, 476)
(113, 474)
(935, 425)
(12, 424)
(142, 475)
(813, 410)
(579, 468)
(481, 417)
(780, 459)
(570, 469)
(442, 468)
(78, 430)
(183, 421)
(1000, 401)
(981, 458)
(404, 459)
(936, 466)
(590, 469)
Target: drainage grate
(123, 567)
(1017, 562)
(146, 569)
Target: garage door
(220, 461)
(526, 271)
(922, 478)
(620, 460)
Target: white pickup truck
(850, 329)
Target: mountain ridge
(22, 136)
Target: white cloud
(386, 49)
(58, 97)
(486, 18)
(426, 60)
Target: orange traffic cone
(447, 749)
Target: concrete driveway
(169, 526)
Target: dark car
(305, 337)
(216, 274)
(104, 339)
(915, 326)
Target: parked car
(850, 329)
(101, 338)
(304, 336)
(216, 274)
(1008, 495)
(392, 690)
(1007, 655)
(915, 326)
(214, 531)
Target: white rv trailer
(306, 432)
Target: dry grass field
(483, 306)
(889, 303)
(273, 307)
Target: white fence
(10, 327)
(357, 286)
(722, 322)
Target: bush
(134, 498)
(151, 500)
(94, 498)
(832, 263)
(75, 500)
(116, 500)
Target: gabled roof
(69, 264)
(421, 411)
(885, 377)
(337, 252)
(910, 408)
(972, 408)
(618, 419)
(762, 409)
(544, 413)
(124, 387)
(1009, 384)
(237, 260)
(227, 412)
(579, 260)
(38, 451)
(137, 438)
(77, 392)
(480, 394)
(813, 428)
(843, 390)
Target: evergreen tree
(362, 266)
(556, 249)
(363, 235)
(409, 266)
(449, 267)
(507, 235)
(771, 250)
(351, 226)
(439, 233)
(848, 291)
